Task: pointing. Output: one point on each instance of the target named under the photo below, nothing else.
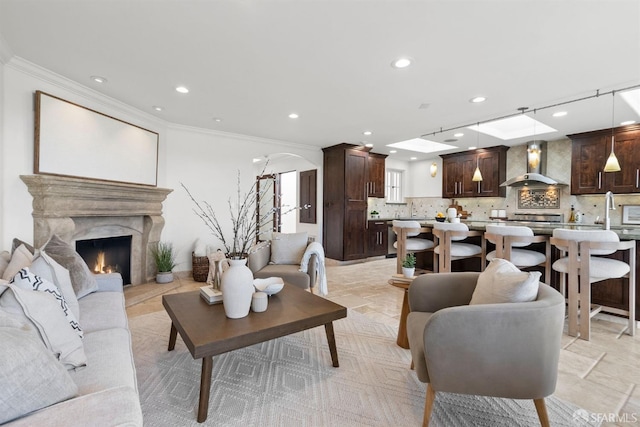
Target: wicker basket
(200, 267)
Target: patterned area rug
(290, 381)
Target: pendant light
(612, 164)
(477, 176)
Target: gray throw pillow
(31, 378)
(81, 277)
(288, 248)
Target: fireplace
(78, 209)
(108, 255)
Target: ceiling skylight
(632, 97)
(514, 127)
(421, 145)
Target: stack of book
(210, 295)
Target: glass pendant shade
(612, 164)
(477, 176)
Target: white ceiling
(251, 62)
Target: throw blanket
(317, 249)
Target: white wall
(207, 162)
(420, 182)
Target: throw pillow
(502, 282)
(288, 248)
(5, 257)
(43, 311)
(81, 277)
(16, 243)
(31, 378)
(47, 268)
(26, 280)
(20, 259)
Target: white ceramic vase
(237, 289)
(164, 277)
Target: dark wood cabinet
(589, 153)
(376, 173)
(347, 185)
(377, 237)
(458, 169)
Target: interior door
(268, 206)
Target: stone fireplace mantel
(77, 209)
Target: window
(394, 185)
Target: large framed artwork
(72, 140)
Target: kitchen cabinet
(376, 174)
(347, 184)
(377, 232)
(458, 169)
(589, 153)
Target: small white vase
(237, 289)
(408, 272)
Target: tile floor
(601, 375)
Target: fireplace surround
(81, 209)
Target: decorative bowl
(270, 285)
(440, 218)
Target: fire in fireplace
(108, 255)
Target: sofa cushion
(81, 277)
(288, 248)
(44, 312)
(26, 280)
(109, 362)
(47, 268)
(5, 257)
(31, 378)
(103, 310)
(503, 282)
(291, 274)
(20, 258)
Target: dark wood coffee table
(207, 332)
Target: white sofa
(107, 387)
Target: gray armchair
(258, 262)
(508, 350)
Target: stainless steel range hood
(536, 166)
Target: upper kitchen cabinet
(458, 168)
(347, 183)
(589, 153)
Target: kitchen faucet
(609, 204)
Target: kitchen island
(611, 293)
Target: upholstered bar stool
(584, 264)
(510, 240)
(407, 242)
(448, 238)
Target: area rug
(290, 382)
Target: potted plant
(409, 265)
(165, 259)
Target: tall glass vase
(237, 289)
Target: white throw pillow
(20, 259)
(47, 268)
(25, 279)
(503, 282)
(31, 378)
(43, 311)
(288, 248)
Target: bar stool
(407, 242)
(510, 240)
(583, 267)
(447, 237)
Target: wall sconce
(433, 169)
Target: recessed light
(559, 114)
(367, 132)
(157, 108)
(393, 151)
(478, 99)
(401, 62)
(99, 79)
(627, 122)
(369, 145)
(182, 89)
(217, 119)
(458, 135)
(450, 140)
(413, 158)
(293, 116)
(472, 147)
